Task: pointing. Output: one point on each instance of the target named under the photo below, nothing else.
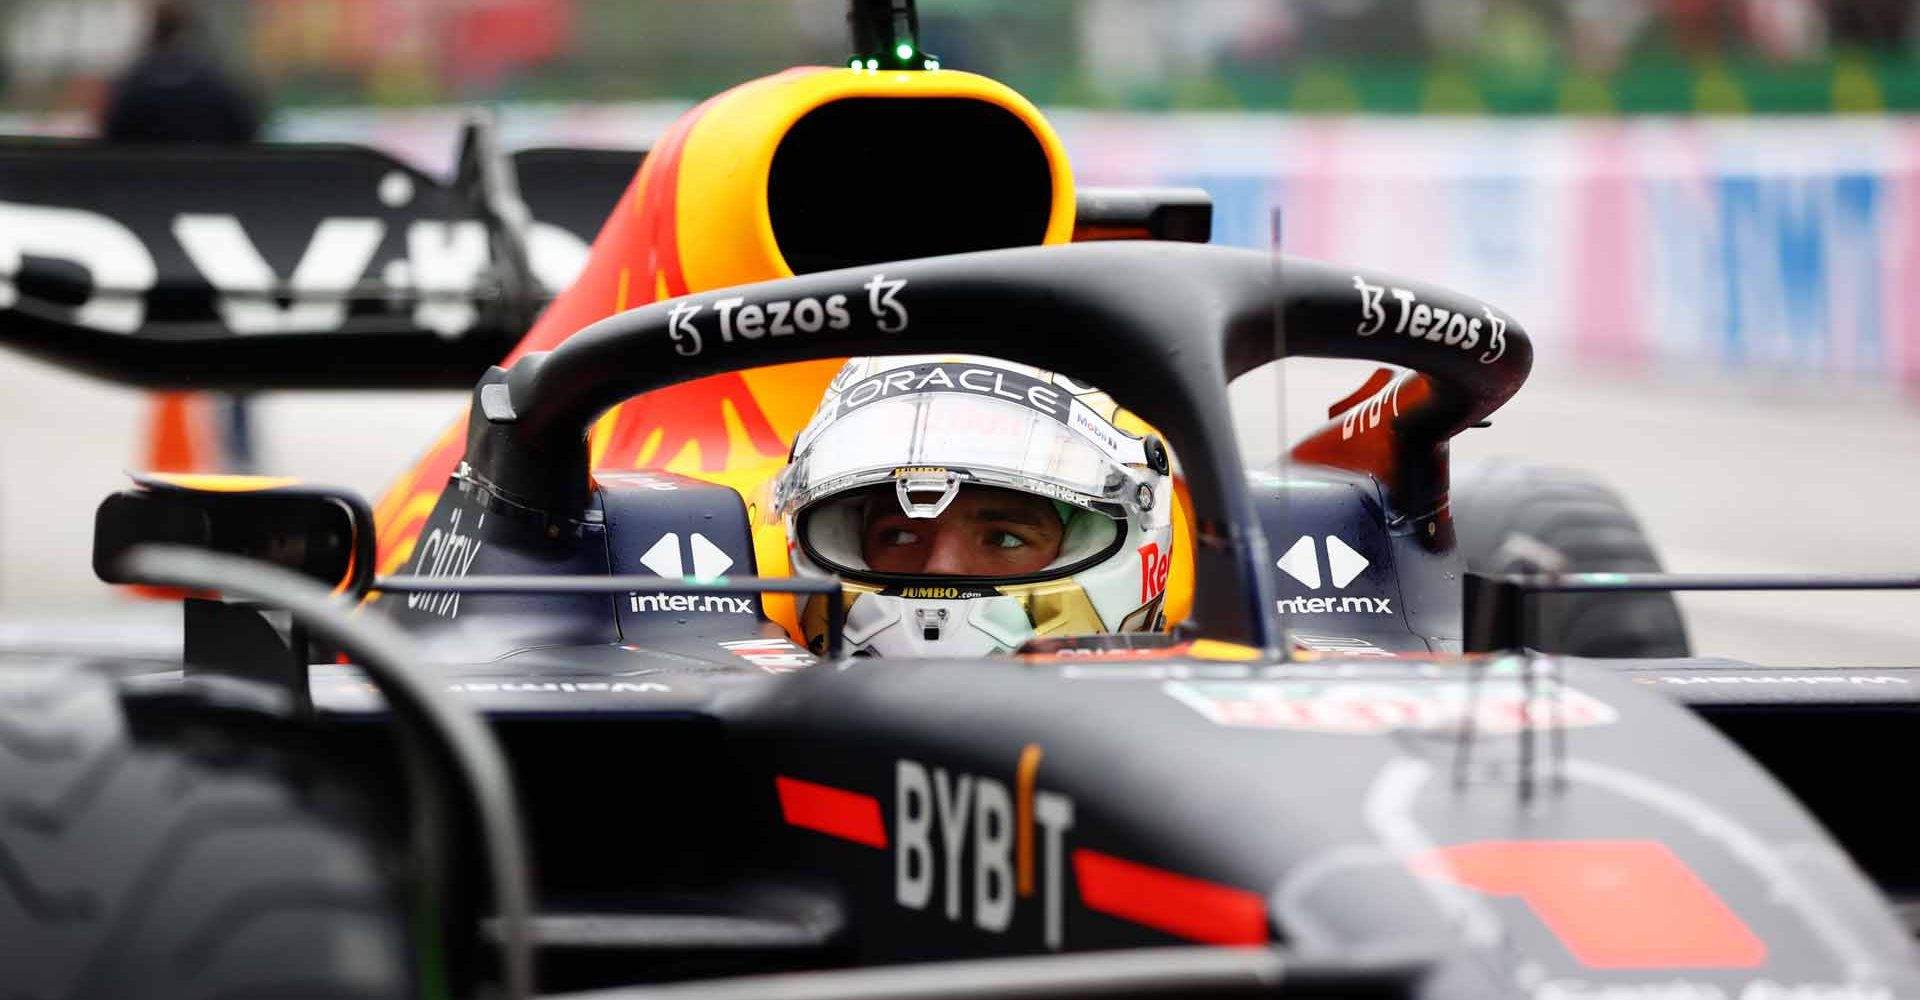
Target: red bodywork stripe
(832, 811)
(1615, 904)
(1184, 907)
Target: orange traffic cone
(180, 435)
(180, 438)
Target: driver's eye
(897, 536)
(1007, 540)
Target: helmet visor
(1067, 452)
(841, 532)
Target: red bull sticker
(1155, 565)
(1495, 705)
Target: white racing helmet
(916, 431)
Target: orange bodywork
(695, 219)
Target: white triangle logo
(1342, 561)
(1301, 563)
(709, 561)
(664, 557)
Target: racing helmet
(902, 442)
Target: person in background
(177, 92)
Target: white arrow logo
(1303, 564)
(664, 557)
(1343, 561)
(709, 560)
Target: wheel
(187, 858)
(1511, 514)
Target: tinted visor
(1049, 445)
(865, 533)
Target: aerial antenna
(886, 35)
(1465, 735)
(1499, 613)
(1275, 239)
(1529, 695)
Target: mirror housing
(322, 533)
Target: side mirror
(322, 533)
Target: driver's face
(984, 532)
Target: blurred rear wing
(1837, 737)
(327, 266)
(1497, 613)
(295, 265)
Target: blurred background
(1312, 56)
(1707, 212)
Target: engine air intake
(864, 180)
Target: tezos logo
(751, 321)
(736, 318)
(1422, 321)
(888, 314)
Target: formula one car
(1344, 771)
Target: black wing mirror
(320, 532)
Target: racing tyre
(1510, 514)
(193, 857)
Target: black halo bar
(830, 589)
(1496, 612)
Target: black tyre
(1510, 514)
(189, 858)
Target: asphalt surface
(1727, 474)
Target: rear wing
(1838, 738)
(282, 266)
(279, 265)
(1498, 615)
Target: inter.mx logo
(1344, 565)
(690, 602)
(708, 560)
